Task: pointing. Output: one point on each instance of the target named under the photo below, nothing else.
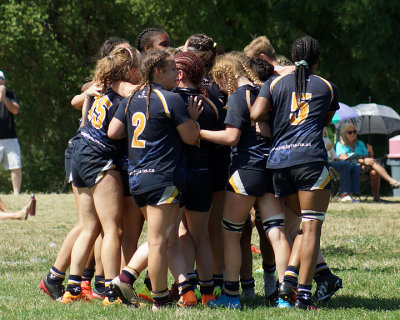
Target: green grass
(361, 243)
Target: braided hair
(305, 53)
(116, 66)
(151, 60)
(205, 47)
(233, 66)
(192, 66)
(144, 39)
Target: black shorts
(159, 196)
(89, 167)
(220, 161)
(303, 177)
(197, 193)
(250, 182)
(68, 169)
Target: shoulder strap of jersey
(163, 101)
(211, 104)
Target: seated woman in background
(350, 146)
(349, 173)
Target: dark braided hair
(192, 66)
(262, 68)
(145, 38)
(151, 60)
(205, 47)
(304, 49)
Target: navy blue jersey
(94, 133)
(296, 131)
(155, 146)
(252, 150)
(199, 156)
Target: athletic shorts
(220, 161)
(250, 182)
(10, 153)
(197, 193)
(68, 169)
(159, 196)
(88, 167)
(303, 177)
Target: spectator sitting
(20, 215)
(349, 173)
(350, 146)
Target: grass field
(361, 243)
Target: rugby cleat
(305, 305)
(125, 292)
(96, 294)
(54, 291)
(327, 288)
(217, 291)
(282, 304)
(87, 289)
(173, 294)
(69, 298)
(287, 292)
(205, 298)
(225, 302)
(145, 293)
(248, 294)
(188, 299)
(270, 287)
(106, 302)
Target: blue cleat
(282, 304)
(225, 302)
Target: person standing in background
(10, 152)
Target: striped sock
(206, 287)
(184, 287)
(109, 292)
(304, 292)
(88, 274)
(160, 297)
(291, 276)
(218, 280)
(74, 284)
(147, 281)
(247, 284)
(55, 276)
(321, 270)
(269, 268)
(193, 279)
(99, 284)
(231, 288)
(128, 275)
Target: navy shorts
(303, 177)
(159, 196)
(220, 161)
(88, 167)
(250, 182)
(68, 169)
(197, 193)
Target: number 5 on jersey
(299, 113)
(138, 121)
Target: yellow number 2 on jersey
(299, 113)
(138, 121)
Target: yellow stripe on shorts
(322, 181)
(237, 184)
(170, 193)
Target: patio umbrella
(344, 113)
(375, 118)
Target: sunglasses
(352, 132)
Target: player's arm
(228, 137)
(189, 132)
(116, 129)
(329, 116)
(11, 104)
(87, 90)
(260, 110)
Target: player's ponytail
(305, 53)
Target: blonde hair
(343, 129)
(233, 65)
(260, 45)
(283, 61)
(116, 66)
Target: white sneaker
(346, 199)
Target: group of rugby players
(192, 140)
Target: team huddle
(201, 145)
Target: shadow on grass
(340, 302)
